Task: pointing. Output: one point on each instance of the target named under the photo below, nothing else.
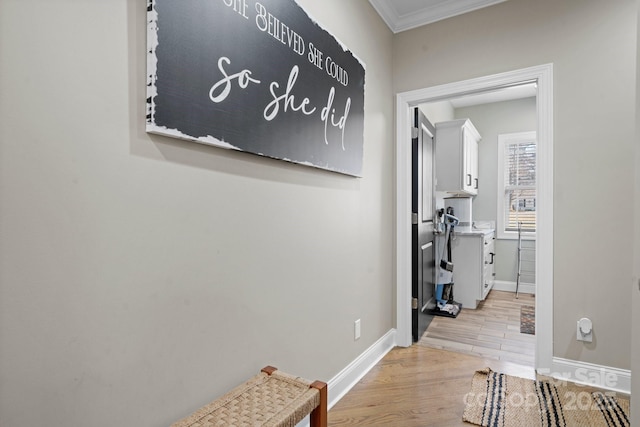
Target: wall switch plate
(356, 330)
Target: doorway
(543, 77)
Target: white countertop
(466, 229)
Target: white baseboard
(350, 375)
(344, 381)
(606, 377)
(503, 285)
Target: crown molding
(427, 15)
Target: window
(516, 184)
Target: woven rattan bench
(270, 399)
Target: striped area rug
(499, 400)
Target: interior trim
(339, 385)
(543, 75)
(426, 15)
(344, 381)
(507, 286)
(605, 377)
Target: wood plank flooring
(491, 331)
(416, 386)
(425, 386)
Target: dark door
(423, 209)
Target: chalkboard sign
(256, 76)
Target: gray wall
(491, 120)
(594, 60)
(142, 276)
(635, 287)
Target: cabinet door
(468, 269)
(470, 163)
(457, 157)
(473, 155)
(489, 265)
(467, 177)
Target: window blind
(520, 186)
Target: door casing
(543, 76)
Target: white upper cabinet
(457, 157)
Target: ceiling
(527, 90)
(402, 15)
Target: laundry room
(485, 222)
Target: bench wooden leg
(268, 370)
(319, 414)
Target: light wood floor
(424, 385)
(416, 386)
(491, 331)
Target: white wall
(142, 276)
(437, 111)
(592, 45)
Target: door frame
(543, 76)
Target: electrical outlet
(356, 330)
(585, 330)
